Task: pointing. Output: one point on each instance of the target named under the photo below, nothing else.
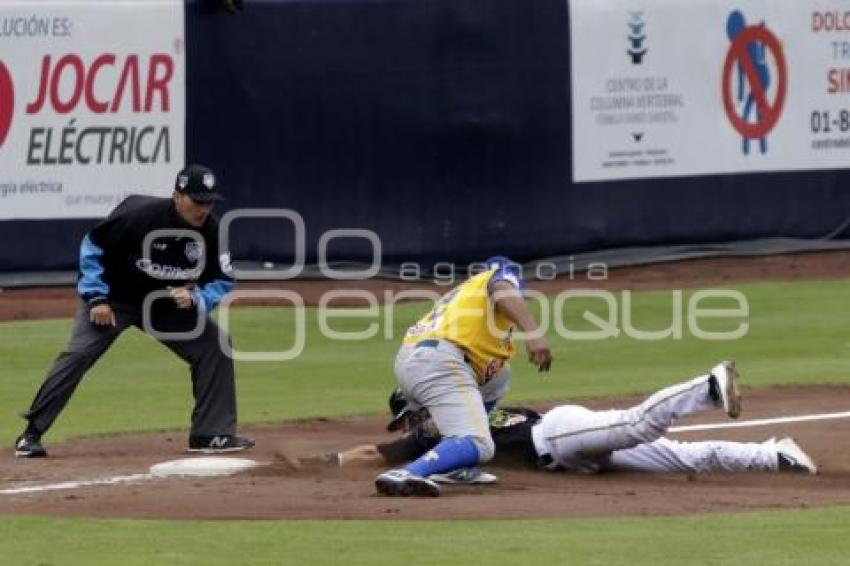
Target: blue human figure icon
(735, 24)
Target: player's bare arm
(363, 454)
(508, 300)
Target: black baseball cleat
(791, 458)
(219, 444)
(28, 445)
(723, 388)
(401, 483)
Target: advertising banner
(664, 88)
(92, 104)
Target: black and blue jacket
(115, 268)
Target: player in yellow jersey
(461, 346)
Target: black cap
(399, 409)
(198, 183)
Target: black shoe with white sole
(401, 483)
(219, 444)
(791, 457)
(29, 446)
(723, 388)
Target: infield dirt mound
(279, 491)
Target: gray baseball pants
(438, 378)
(212, 371)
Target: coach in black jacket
(154, 264)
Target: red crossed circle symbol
(7, 102)
(767, 112)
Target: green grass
(791, 538)
(798, 333)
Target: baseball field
(132, 410)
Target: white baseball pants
(579, 439)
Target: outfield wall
(455, 129)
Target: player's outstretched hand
(539, 353)
(102, 315)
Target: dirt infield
(276, 491)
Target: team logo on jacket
(166, 272)
(194, 251)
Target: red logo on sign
(73, 70)
(767, 112)
(7, 102)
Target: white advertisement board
(92, 104)
(666, 88)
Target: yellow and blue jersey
(465, 316)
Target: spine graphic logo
(636, 38)
(7, 102)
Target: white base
(204, 466)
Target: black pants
(212, 371)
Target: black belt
(433, 343)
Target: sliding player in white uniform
(574, 438)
